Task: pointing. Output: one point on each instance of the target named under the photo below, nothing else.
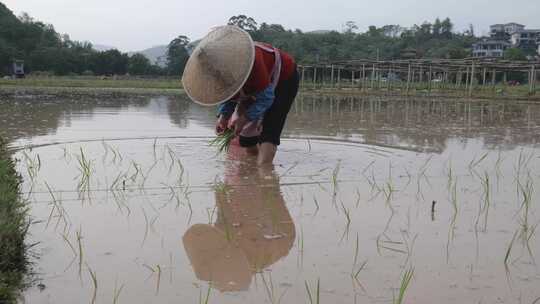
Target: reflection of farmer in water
(252, 231)
(255, 84)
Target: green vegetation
(223, 141)
(428, 40)
(13, 227)
(93, 82)
(46, 51)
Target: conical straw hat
(219, 66)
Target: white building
(490, 48)
(508, 28)
(525, 38)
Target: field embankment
(13, 227)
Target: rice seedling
(223, 141)
(409, 243)
(451, 229)
(146, 226)
(449, 174)
(356, 273)
(474, 162)
(154, 144)
(73, 250)
(93, 275)
(290, 169)
(158, 278)
(388, 191)
(117, 291)
(347, 215)
(300, 248)
(509, 251)
(80, 246)
(60, 210)
(315, 296)
(210, 212)
(33, 165)
(368, 166)
(134, 176)
(66, 155)
(358, 197)
(316, 204)
(379, 243)
(145, 176)
(270, 290)
(486, 198)
(85, 172)
(206, 298)
(335, 174)
(405, 281)
(356, 249)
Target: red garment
(260, 76)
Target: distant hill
(156, 55)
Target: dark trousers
(274, 118)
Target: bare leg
(267, 151)
(254, 150)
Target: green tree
(139, 65)
(514, 54)
(350, 27)
(446, 28)
(244, 22)
(177, 55)
(437, 27)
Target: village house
(490, 48)
(504, 36)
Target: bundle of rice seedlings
(223, 140)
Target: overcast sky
(138, 24)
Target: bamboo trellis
(461, 74)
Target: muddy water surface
(132, 206)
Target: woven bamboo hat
(219, 66)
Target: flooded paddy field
(371, 200)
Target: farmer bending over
(254, 83)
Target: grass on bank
(94, 82)
(13, 228)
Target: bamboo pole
(339, 78)
(472, 80)
(378, 78)
(314, 77)
(534, 79)
(484, 77)
(409, 78)
(363, 76)
(467, 80)
(372, 76)
(352, 78)
(531, 80)
(303, 76)
(388, 86)
(332, 76)
(429, 78)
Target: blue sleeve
(226, 108)
(263, 101)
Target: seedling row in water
(388, 186)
